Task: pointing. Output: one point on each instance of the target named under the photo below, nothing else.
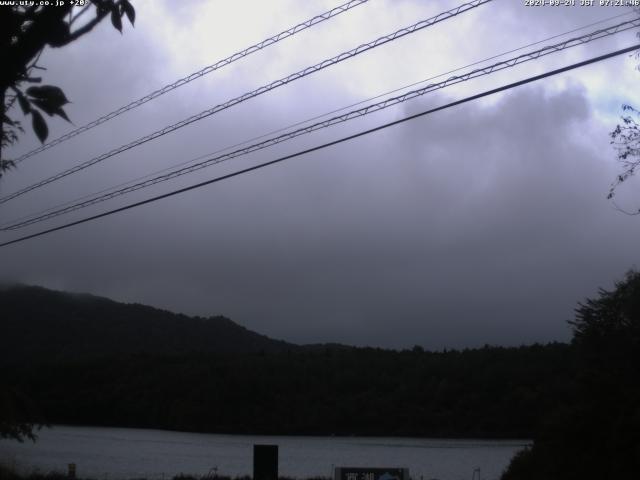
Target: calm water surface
(121, 453)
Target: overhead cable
(265, 88)
(479, 72)
(200, 73)
(325, 145)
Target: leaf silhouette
(54, 96)
(61, 113)
(58, 34)
(39, 125)
(24, 103)
(51, 110)
(116, 20)
(128, 10)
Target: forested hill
(44, 325)
(79, 359)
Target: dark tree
(87, 360)
(611, 321)
(597, 434)
(626, 140)
(19, 418)
(24, 33)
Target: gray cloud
(467, 228)
(484, 223)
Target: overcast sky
(483, 223)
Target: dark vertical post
(265, 462)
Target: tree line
(490, 392)
(580, 402)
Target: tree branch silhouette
(24, 33)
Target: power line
(265, 88)
(339, 119)
(307, 120)
(328, 144)
(316, 117)
(487, 70)
(193, 76)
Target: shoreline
(486, 439)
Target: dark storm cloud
(474, 226)
(479, 224)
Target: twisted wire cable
(193, 76)
(263, 89)
(479, 72)
(316, 117)
(324, 145)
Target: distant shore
(10, 473)
(125, 454)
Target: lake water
(121, 453)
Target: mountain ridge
(85, 360)
(44, 324)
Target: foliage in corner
(595, 435)
(24, 33)
(26, 29)
(626, 140)
(19, 418)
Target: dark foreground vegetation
(490, 392)
(580, 402)
(597, 434)
(7, 473)
(91, 361)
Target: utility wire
(487, 70)
(328, 144)
(265, 88)
(366, 100)
(316, 117)
(307, 120)
(189, 78)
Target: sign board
(265, 462)
(353, 473)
